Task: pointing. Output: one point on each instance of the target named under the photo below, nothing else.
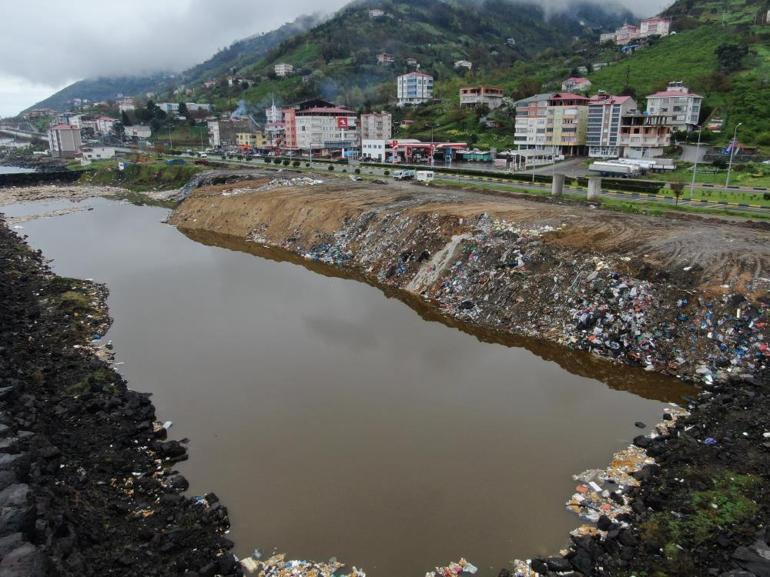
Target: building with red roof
(679, 104)
(605, 113)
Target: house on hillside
(385, 58)
(678, 103)
(282, 69)
(414, 88)
(481, 95)
(576, 84)
(467, 64)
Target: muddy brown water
(331, 418)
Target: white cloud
(91, 38)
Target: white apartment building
(374, 149)
(126, 104)
(605, 116)
(376, 126)
(140, 131)
(324, 128)
(64, 141)
(414, 88)
(282, 69)
(477, 95)
(679, 104)
(104, 124)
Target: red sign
(342, 122)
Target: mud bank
(680, 297)
(87, 484)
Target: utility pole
(695, 166)
(733, 146)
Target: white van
(426, 176)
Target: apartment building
(478, 95)
(414, 88)
(250, 139)
(282, 69)
(376, 126)
(644, 135)
(322, 129)
(605, 116)
(64, 141)
(679, 104)
(552, 121)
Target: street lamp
(733, 145)
(695, 167)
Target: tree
(677, 188)
(730, 56)
(124, 119)
(119, 130)
(183, 109)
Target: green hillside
(338, 58)
(736, 88)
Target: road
(490, 182)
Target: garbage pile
(601, 493)
(278, 566)
(514, 278)
(296, 181)
(462, 567)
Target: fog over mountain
(91, 38)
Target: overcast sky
(47, 44)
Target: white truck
(615, 169)
(425, 176)
(404, 174)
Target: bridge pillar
(594, 187)
(557, 185)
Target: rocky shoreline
(87, 479)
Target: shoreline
(87, 473)
(659, 490)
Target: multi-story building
(104, 124)
(321, 129)
(274, 125)
(679, 104)
(476, 95)
(414, 88)
(644, 135)
(126, 104)
(282, 69)
(374, 149)
(656, 26)
(138, 131)
(385, 58)
(626, 34)
(64, 141)
(576, 84)
(552, 121)
(605, 114)
(250, 139)
(223, 132)
(376, 126)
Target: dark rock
(177, 482)
(640, 425)
(24, 561)
(558, 564)
(604, 523)
(642, 442)
(9, 543)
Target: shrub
(386, 173)
(296, 163)
(307, 164)
(286, 162)
(277, 161)
(331, 167)
(357, 171)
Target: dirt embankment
(683, 297)
(87, 479)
